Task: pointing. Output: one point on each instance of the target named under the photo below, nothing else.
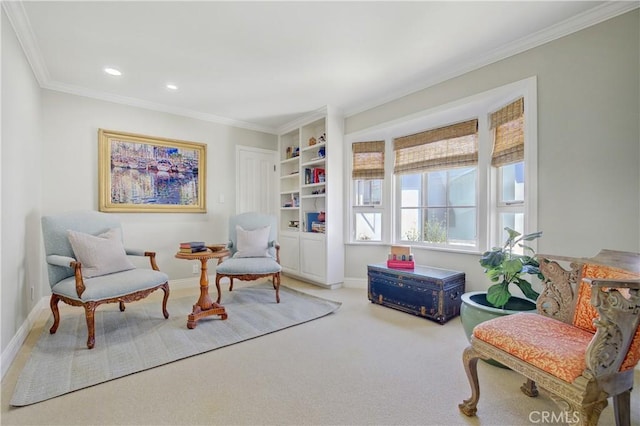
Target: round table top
(203, 254)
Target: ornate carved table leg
(204, 306)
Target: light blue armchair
(254, 251)
(88, 266)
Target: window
(437, 175)
(452, 187)
(368, 179)
(507, 125)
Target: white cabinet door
(290, 252)
(313, 257)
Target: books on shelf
(314, 175)
(315, 222)
(192, 247)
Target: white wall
(70, 174)
(21, 187)
(50, 165)
(588, 142)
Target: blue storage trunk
(431, 293)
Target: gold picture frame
(146, 174)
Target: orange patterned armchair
(583, 343)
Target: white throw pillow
(100, 254)
(253, 243)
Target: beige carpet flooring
(363, 365)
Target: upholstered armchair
(89, 266)
(254, 251)
(582, 344)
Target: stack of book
(192, 247)
(400, 257)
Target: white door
(256, 183)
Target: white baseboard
(356, 282)
(10, 353)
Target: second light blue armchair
(254, 251)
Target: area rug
(140, 338)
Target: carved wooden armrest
(557, 298)
(69, 262)
(276, 245)
(77, 272)
(619, 315)
(150, 254)
(152, 259)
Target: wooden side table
(205, 307)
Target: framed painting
(140, 173)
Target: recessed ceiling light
(172, 86)
(112, 71)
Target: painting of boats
(148, 174)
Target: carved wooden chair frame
(91, 306)
(250, 221)
(275, 277)
(616, 326)
(62, 266)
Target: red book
(401, 264)
(317, 172)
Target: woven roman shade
(442, 148)
(368, 160)
(508, 145)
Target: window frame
(480, 105)
(364, 209)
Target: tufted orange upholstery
(549, 344)
(585, 313)
(552, 345)
(559, 349)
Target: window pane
(368, 226)
(410, 186)
(409, 224)
(462, 187)
(512, 182)
(435, 227)
(461, 226)
(367, 192)
(450, 214)
(514, 221)
(437, 189)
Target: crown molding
(579, 22)
(139, 103)
(22, 28)
(20, 22)
(18, 18)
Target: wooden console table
(205, 307)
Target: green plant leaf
(494, 274)
(532, 236)
(513, 234)
(498, 295)
(512, 266)
(527, 290)
(491, 258)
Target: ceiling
(261, 65)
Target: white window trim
(480, 106)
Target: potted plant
(504, 268)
